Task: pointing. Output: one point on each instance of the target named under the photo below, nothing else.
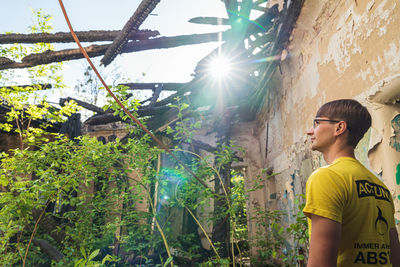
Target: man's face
(322, 133)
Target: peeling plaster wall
(383, 158)
(339, 49)
(205, 211)
(253, 139)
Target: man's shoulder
(353, 168)
(347, 166)
(323, 171)
(324, 175)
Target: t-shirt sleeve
(325, 195)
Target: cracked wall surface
(339, 49)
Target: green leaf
(94, 254)
(169, 130)
(184, 106)
(83, 251)
(197, 125)
(169, 260)
(280, 230)
(79, 263)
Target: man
(350, 211)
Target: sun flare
(220, 67)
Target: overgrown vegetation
(278, 245)
(111, 203)
(83, 202)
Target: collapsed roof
(249, 42)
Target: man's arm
(324, 242)
(394, 247)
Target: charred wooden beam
(264, 22)
(54, 56)
(66, 37)
(33, 86)
(209, 20)
(72, 128)
(102, 119)
(168, 42)
(83, 104)
(146, 100)
(170, 99)
(141, 13)
(204, 146)
(285, 24)
(160, 123)
(257, 7)
(110, 117)
(288, 19)
(191, 86)
(98, 50)
(155, 96)
(231, 7)
(162, 120)
(48, 249)
(153, 86)
(5, 61)
(48, 223)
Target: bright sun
(220, 67)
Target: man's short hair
(353, 113)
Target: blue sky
(169, 18)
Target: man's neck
(332, 154)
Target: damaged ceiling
(250, 43)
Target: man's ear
(340, 128)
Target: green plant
(89, 259)
(298, 231)
(278, 243)
(216, 262)
(185, 127)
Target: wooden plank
(153, 86)
(98, 50)
(66, 37)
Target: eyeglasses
(318, 121)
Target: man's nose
(310, 131)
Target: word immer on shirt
(371, 246)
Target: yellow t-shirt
(347, 192)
